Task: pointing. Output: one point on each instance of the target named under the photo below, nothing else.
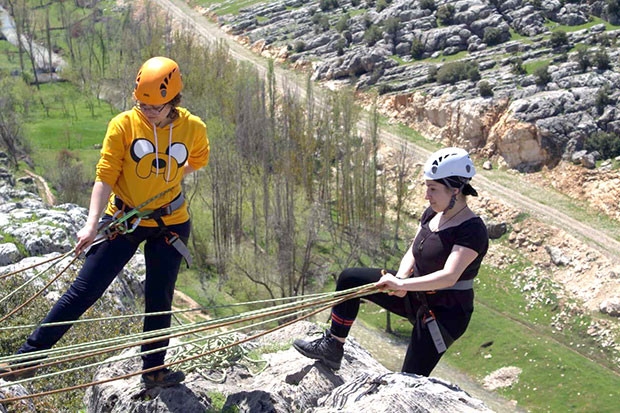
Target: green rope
(135, 315)
(142, 353)
(34, 277)
(369, 290)
(55, 353)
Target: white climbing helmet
(449, 162)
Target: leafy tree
(542, 75)
(558, 39)
(605, 143)
(445, 14)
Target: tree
(445, 14)
(558, 39)
(542, 75)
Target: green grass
(63, 118)
(223, 8)
(530, 67)
(552, 26)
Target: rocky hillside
(526, 83)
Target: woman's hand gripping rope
(87, 237)
(391, 285)
(119, 224)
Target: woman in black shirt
(433, 286)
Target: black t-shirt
(431, 250)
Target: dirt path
(44, 189)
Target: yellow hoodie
(140, 161)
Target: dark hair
(460, 183)
(174, 102)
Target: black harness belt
(427, 318)
(172, 238)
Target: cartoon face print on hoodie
(150, 162)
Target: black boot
(326, 349)
(162, 378)
(11, 373)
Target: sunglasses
(153, 108)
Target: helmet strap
(451, 204)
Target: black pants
(422, 356)
(103, 263)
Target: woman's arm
(98, 201)
(458, 260)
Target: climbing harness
(172, 238)
(122, 223)
(425, 318)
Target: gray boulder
(290, 382)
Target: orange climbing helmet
(158, 81)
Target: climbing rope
(323, 304)
(118, 225)
(171, 312)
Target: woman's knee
(354, 277)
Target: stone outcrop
(290, 382)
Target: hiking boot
(162, 378)
(327, 349)
(10, 373)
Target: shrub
(372, 35)
(326, 5)
(343, 22)
(453, 72)
(381, 5)
(427, 5)
(485, 89)
(583, 59)
(492, 36)
(417, 49)
(518, 68)
(542, 75)
(391, 25)
(445, 14)
(299, 46)
(559, 38)
(602, 99)
(601, 60)
(432, 74)
(605, 143)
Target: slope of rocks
(524, 125)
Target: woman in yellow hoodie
(145, 155)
